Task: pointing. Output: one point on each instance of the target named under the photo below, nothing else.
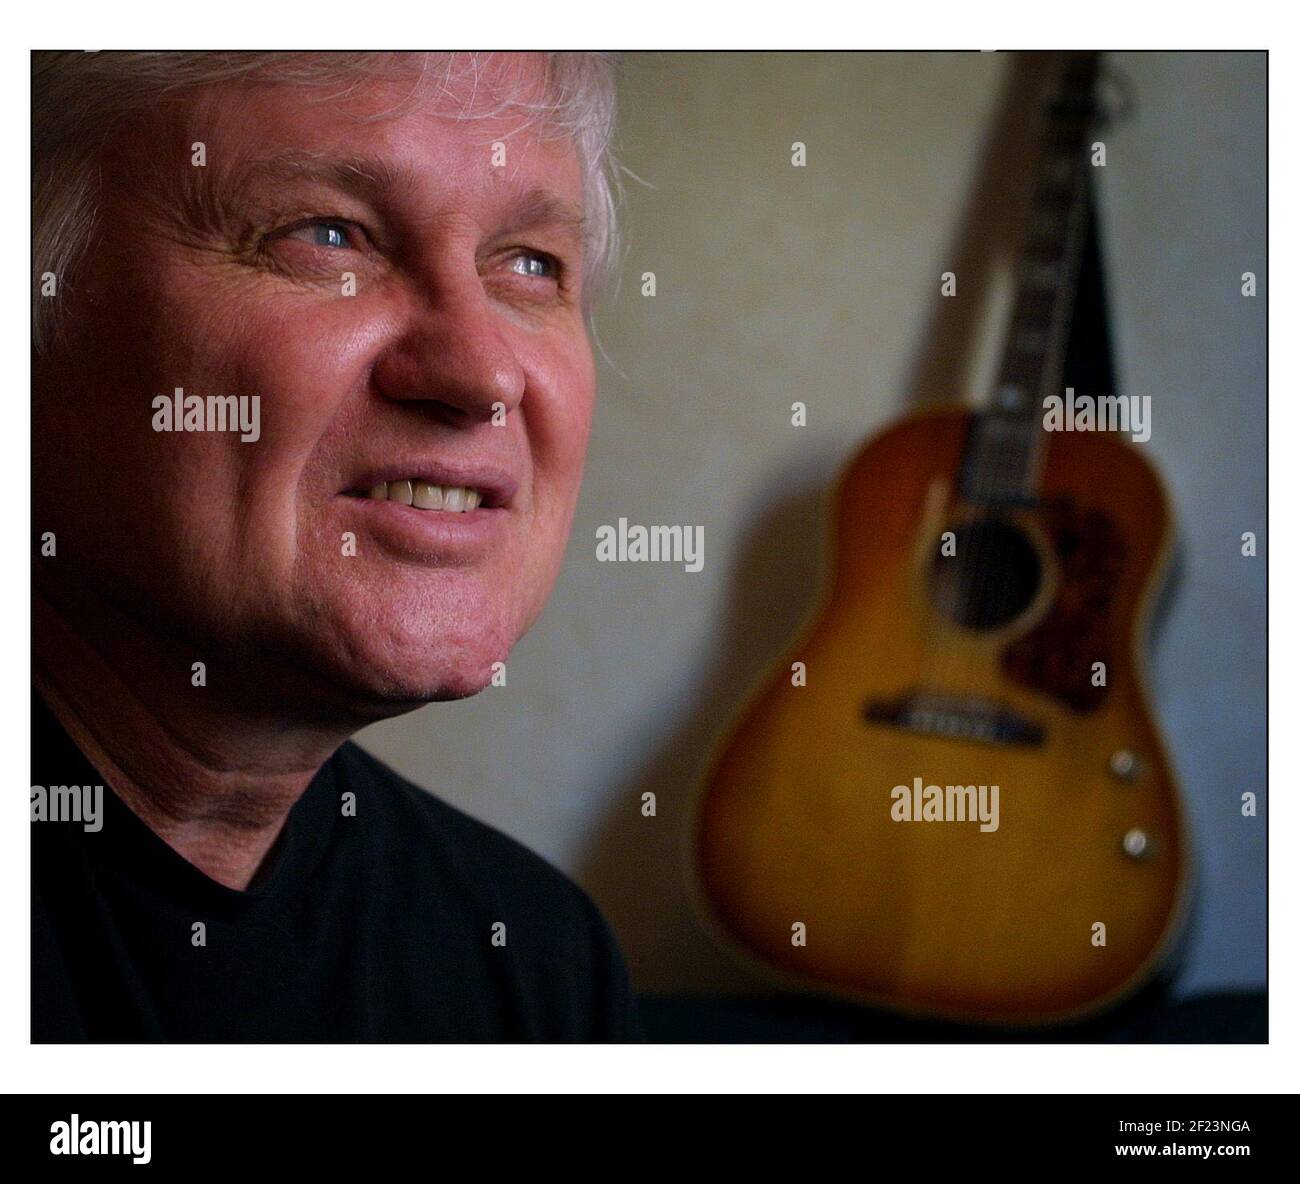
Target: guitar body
(797, 819)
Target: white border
(852, 1068)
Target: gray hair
(79, 98)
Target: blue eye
(323, 234)
(533, 263)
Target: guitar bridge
(957, 718)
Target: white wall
(777, 284)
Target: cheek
(302, 356)
(559, 427)
(305, 368)
(560, 448)
(228, 506)
(304, 361)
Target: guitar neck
(1003, 455)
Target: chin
(385, 651)
(399, 671)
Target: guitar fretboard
(1002, 455)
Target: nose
(453, 352)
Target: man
(312, 395)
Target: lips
(436, 487)
(421, 495)
(432, 512)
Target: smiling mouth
(423, 495)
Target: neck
(1004, 456)
(213, 779)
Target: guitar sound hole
(992, 578)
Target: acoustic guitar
(951, 798)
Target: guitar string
(1017, 443)
(1025, 426)
(1021, 425)
(1027, 432)
(962, 592)
(1020, 863)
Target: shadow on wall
(638, 873)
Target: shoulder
(470, 847)
(554, 943)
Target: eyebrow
(542, 207)
(377, 179)
(367, 174)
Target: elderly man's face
(229, 278)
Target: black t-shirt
(396, 919)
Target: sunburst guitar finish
(1022, 673)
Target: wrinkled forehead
(446, 119)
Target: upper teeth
(423, 496)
